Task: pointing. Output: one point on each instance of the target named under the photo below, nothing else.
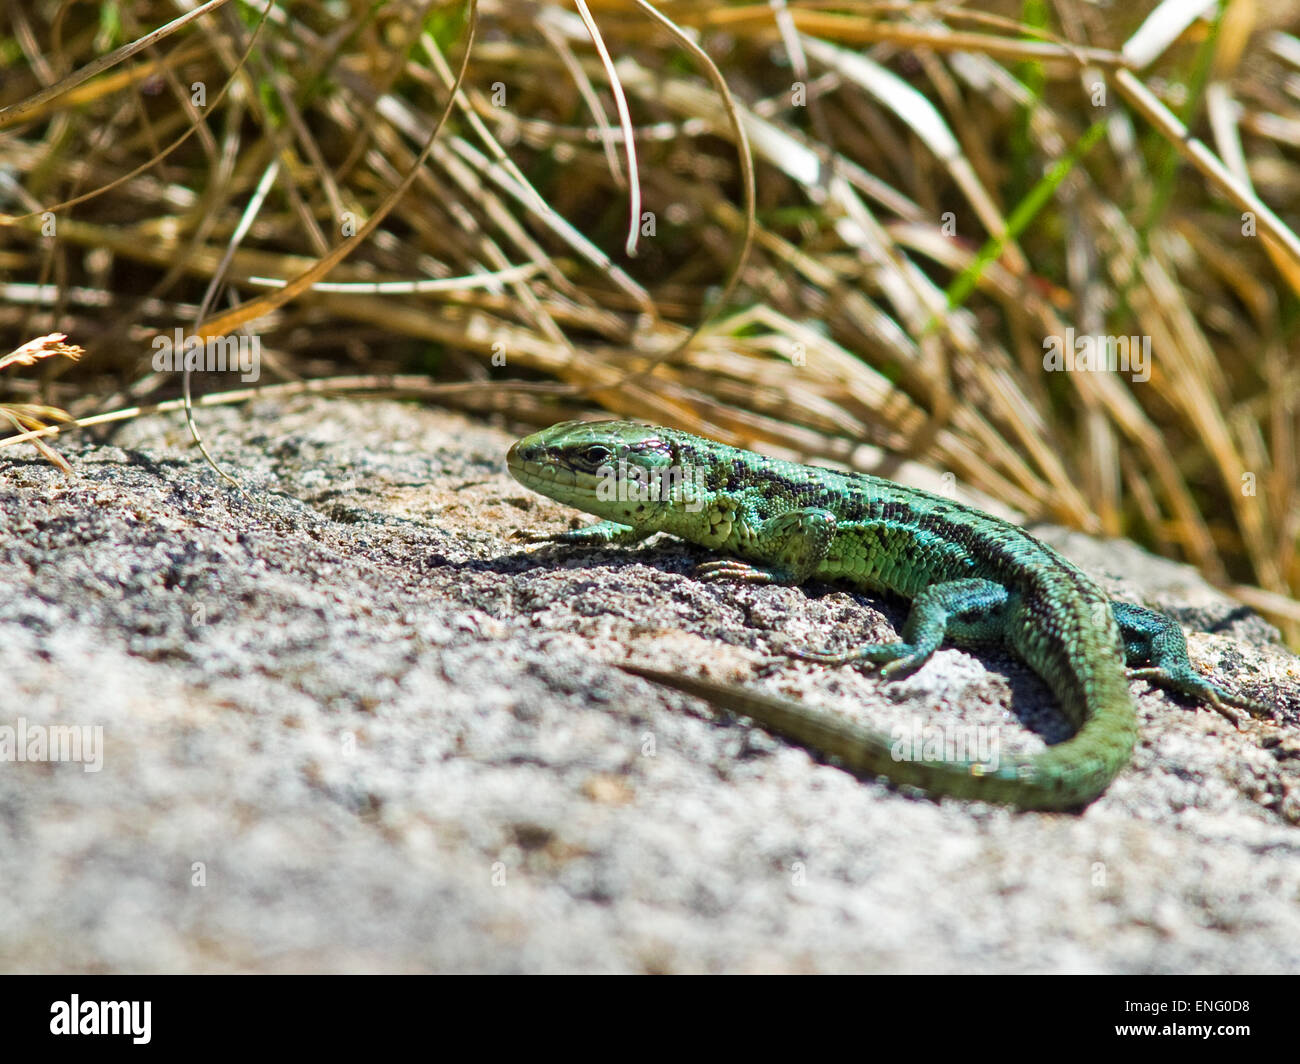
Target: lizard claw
(732, 569)
(521, 536)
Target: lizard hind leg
(968, 611)
(1155, 650)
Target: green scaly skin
(972, 578)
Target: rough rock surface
(351, 725)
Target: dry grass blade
(255, 308)
(32, 107)
(625, 121)
(862, 227)
(1211, 166)
(33, 351)
(195, 124)
(35, 417)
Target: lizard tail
(1065, 776)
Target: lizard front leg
(969, 611)
(792, 544)
(601, 534)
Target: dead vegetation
(799, 226)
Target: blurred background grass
(937, 191)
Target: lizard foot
(896, 659)
(731, 569)
(1194, 686)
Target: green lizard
(971, 577)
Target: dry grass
(936, 190)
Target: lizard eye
(596, 455)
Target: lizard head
(618, 470)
